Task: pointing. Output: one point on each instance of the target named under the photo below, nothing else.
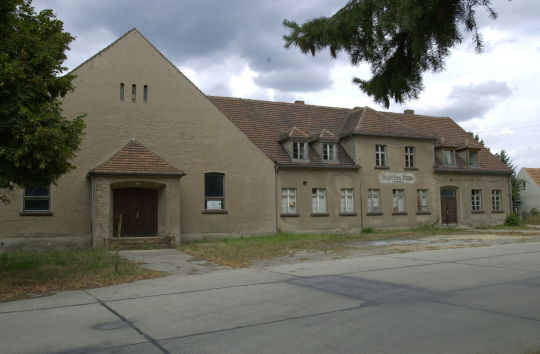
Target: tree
(477, 138)
(400, 39)
(516, 183)
(36, 142)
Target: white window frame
(214, 202)
(496, 200)
(347, 200)
(300, 149)
(398, 201)
(380, 155)
(452, 155)
(410, 157)
(374, 200)
(318, 200)
(476, 199)
(329, 152)
(422, 200)
(37, 197)
(288, 201)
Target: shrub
(534, 212)
(368, 230)
(512, 220)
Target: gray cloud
(295, 80)
(473, 101)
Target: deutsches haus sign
(397, 178)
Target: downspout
(509, 179)
(361, 206)
(276, 213)
(92, 211)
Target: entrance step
(142, 243)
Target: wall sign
(398, 178)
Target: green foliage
(512, 220)
(400, 39)
(534, 212)
(36, 142)
(516, 182)
(368, 230)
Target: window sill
(382, 167)
(216, 211)
(374, 214)
(423, 213)
(411, 168)
(36, 213)
(319, 214)
(289, 215)
(347, 214)
(497, 211)
(400, 213)
(477, 212)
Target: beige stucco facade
(179, 124)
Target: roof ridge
(279, 102)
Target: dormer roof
(295, 134)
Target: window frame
(347, 200)
(410, 157)
(318, 199)
(496, 200)
(329, 151)
(301, 150)
(371, 208)
(397, 195)
(286, 193)
(469, 152)
(380, 155)
(213, 198)
(47, 197)
(476, 199)
(420, 207)
(453, 155)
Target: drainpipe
(509, 179)
(276, 212)
(92, 211)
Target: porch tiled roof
(135, 158)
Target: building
(159, 157)
(530, 188)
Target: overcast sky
(235, 48)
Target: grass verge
(241, 252)
(28, 274)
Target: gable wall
(530, 195)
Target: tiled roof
(266, 123)
(534, 173)
(135, 158)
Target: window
(448, 157)
(422, 200)
(398, 200)
(476, 198)
(329, 152)
(122, 91)
(380, 155)
(37, 199)
(318, 199)
(473, 158)
(373, 203)
(347, 200)
(214, 197)
(288, 200)
(409, 157)
(133, 92)
(299, 151)
(496, 200)
(145, 93)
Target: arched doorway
(449, 206)
(135, 212)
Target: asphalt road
(471, 300)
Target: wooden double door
(448, 206)
(135, 212)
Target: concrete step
(142, 242)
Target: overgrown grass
(532, 220)
(24, 274)
(504, 227)
(241, 252)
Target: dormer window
(473, 158)
(299, 150)
(449, 158)
(329, 152)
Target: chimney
(299, 102)
(408, 111)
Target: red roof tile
(534, 173)
(135, 158)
